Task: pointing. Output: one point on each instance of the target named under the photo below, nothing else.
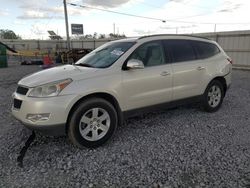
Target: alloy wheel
(214, 96)
(94, 124)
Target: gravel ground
(183, 147)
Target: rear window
(205, 49)
(180, 50)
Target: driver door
(152, 84)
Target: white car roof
(164, 36)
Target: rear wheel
(93, 123)
(213, 96)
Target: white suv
(89, 99)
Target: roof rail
(159, 35)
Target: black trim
(162, 106)
(17, 103)
(50, 130)
(226, 74)
(22, 90)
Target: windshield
(105, 55)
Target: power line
(192, 16)
(162, 20)
(189, 5)
(158, 7)
(182, 3)
(154, 6)
(116, 12)
(208, 23)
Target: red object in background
(47, 60)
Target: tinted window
(151, 54)
(205, 49)
(181, 50)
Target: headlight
(49, 90)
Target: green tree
(102, 36)
(111, 35)
(95, 35)
(88, 36)
(8, 34)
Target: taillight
(230, 60)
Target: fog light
(38, 117)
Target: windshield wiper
(85, 65)
(102, 50)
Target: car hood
(57, 73)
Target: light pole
(66, 23)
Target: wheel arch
(106, 96)
(223, 82)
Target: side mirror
(135, 64)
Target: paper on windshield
(117, 52)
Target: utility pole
(66, 23)
(215, 28)
(114, 28)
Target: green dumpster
(3, 56)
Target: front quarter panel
(107, 81)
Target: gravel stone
(181, 147)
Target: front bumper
(51, 130)
(57, 107)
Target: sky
(31, 19)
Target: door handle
(200, 68)
(165, 73)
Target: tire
(92, 123)
(213, 96)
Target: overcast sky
(33, 18)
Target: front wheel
(93, 123)
(213, 96)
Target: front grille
(22, 90)
(17, 103)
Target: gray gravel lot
(183, 147)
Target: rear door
(188, 71)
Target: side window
(151, 54)
(205, 49)
(181, 50)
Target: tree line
(98, 36)
(8, 34)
